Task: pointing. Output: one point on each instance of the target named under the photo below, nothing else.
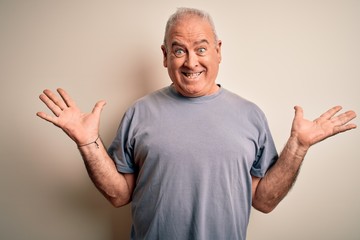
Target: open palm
(80, 127)
(311, 132)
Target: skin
(273, 187)
(192, 57)
(83, 128)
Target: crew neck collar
(177, 95)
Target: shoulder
(241, 103)
(148, 102)
(153, 97)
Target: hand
(309, 133)
(80, 127)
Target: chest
(196, 137)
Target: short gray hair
(184, 12)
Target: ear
(218, 49)
(163, 48)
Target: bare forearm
(277, 182)
(273, 187)
(102, 171)
(83, 127)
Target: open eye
(179, 52)
(201, 50)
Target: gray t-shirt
(194, 158)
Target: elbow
(264, 209)
(264, 206)
(117, 199)
(266, 202)
(117, 202)
(118, 205)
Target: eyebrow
(201, 41)
(176, 43)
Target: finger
(47, 117)
(299, 112)
(344, 128)
(98, 107)
(344, 118)
(66, 98)
(331, 112)
(58, 102)
(50, 104)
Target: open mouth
(192, 75)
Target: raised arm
(273, 187)
(83, 129)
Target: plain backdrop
(277, 54)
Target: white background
(276, 53)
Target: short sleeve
(121, 150)
(266, 154)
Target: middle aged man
(192, 157)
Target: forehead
(190, 29)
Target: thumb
(98, 107)
(299, 112)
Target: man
(192, 157)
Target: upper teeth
(192, 75)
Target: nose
(191, 60)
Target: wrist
(296, 147)
(95, 142)
(84, 137)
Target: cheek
(212, 62)
(174, 64)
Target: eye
(201, 50)
(179, 52)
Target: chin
(193, 91)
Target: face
(192, 57)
